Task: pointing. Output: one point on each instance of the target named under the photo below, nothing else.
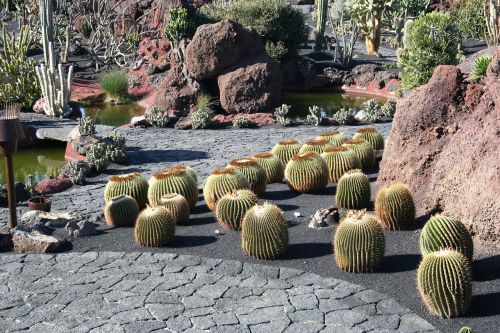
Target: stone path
(146, 292)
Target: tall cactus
(322, 6)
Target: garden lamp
(11, 132)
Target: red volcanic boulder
(53, 185)
(154, 52)
(259, 119)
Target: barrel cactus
(445, 283)
(394, 207)
(155, 227)
(359, 243)
(172, 181)
(336, 138)
(232, 207)
(253, 172)
(353, 190)
(306, 172)
(284, 150)
(275, 170)
(221, 182)
(189, 171)
(372, 136)
(466, 329)
(363, 150)
(121, 211)
(264, 232)
(317, 145)
(446, 232)
(177, 205)
(339, 161)
(132, 184)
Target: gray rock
(6, 244)
(80, 229)
(34, 242)
(139, 121)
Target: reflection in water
(113, 115)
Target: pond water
(113, 115)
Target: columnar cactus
(232, 207)
(264, 232)
(221, 182)
(189, 171)
(253, 172)
(372, 136)
(284, 150)
(359, 243)
(445, 283)
(363, 150)
(394, 207)
(177, 205)
(336, 138)
(121, 211)
(317, 145)
(275, 170)
(321, 23)
(339, 161)
(155, 227)
(172, 181)
(353, 190)
(132, 184)
(446, 232)
(306, 172)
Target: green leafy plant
(242, 122)
(115, 83)
(344, 117)
(316, 116)
(96, 155)
(281, 115)
(157, 117)
(133, 40)
(116, 150)
(77, 171)
(180, 26)
(253, 172)
(86, 29)
(202, 117)
(469, 17)
(466, 329)
(353, 190)
(86, 126)
(306, 173)
(372, 110)
(480, 66)
(121, 211)
(232, 207)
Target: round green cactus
(339, 161)
(363, 150)
(306, 172)
(316, 145)
(394, 207)
(444, 282)
(284, 150)
(132, 184)
(372, 136)
(232, 207)
(121, 211)
(155, 227)
(275, 170)
(264, 232)
(253, 172)
(336, 138)
(172, 181)
(466, 329)
(359, 243)
(189, 171)
(177, 205)
(221, 182)
(353, 190)
(445, 232)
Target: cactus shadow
(280, 195)
(307, 250)
(287, 208)
(486, 269)
(190, 241)
(200, 208)
(485, 305)
(200, 221)
(400, 263)
(137, 157)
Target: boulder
(5, 241)
(80, 229)
(465, 65)
(47, 219)
(34, 242)
(53, 185)
(259, 119)
(154, 52)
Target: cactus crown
(264, 155)
(125, 177)
(224, 171)
(170, 196)
(366, 130)
(242, 162)
(355, 215)
(353, 171)
(169, 173)
(260, 210)
(331, 133)
(304, 156)
(317, 142)
(178, 167)
(354, 141)
(335, 149)
(288, 142)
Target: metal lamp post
(11, 132)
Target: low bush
(469, 17)
(115, 83)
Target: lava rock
(34, 242)
(53, 185)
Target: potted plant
(40, 203)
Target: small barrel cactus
(372, 136)
(307, 172)
(336, 138)
(132, 184)
(221, 182)
(284, 150)
(394, 207)
(353, 190)
(445, 283)
(253, 172)
(316, 145)
(446, 232)
(155, 226)
(121, 211)
(339, 161)
(275, 170)
(359, 243)
(232, 207)
(264, 232)
(172, 181)
(466, 329)
(188, 171)
(363, 150)
(177, 205)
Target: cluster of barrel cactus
(371, 136)
(131, 184)
(317, 145)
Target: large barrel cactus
(317, 145)
(443, 231)
(335, 138)
(232, 207)
(339, 161)
(353, 190)
(445, 283)
(253, 172)
(221, 182)
(132, 184)
(121, 211)
(372, 136)
(394, 207)
(264, 232)
(177, 205)
(306, 172)
(155, 227)
(275, 170)
(284, 150)
(359, 243)
(172, 181)
(363, 150)
(189, 171)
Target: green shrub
(242, 122)
(277, 50)
(480, 66)
(469, 17)
(157, 117)
(115, 83)
(180, 25)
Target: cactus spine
(363, 150)
(121, 211)
(307, 172)
(177, 205)
(155, 227)
(275, 171)
(336, 138)
(394, 207)
(444, 282)
(284, 150)
(321, 23)
(131, 184)
(253, 172)
(172, 181)
(359, 243)
(315, 145)
(232, 207)
(339, 161)
(372, 136)
(353, 190)
(264, 232)
(221, 182)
